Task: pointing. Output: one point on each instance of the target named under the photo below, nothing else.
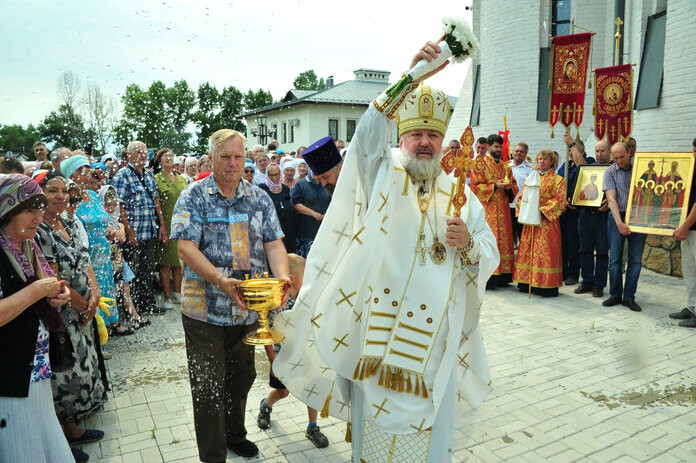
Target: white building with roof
(304, 116)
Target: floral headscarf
(275, 187)
(17, 189)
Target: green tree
(18, 139)
(65, 127)
(158, 116)
(231, 106)
(257, 99)
(205, 116)
(308, 80)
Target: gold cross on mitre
(460, 162)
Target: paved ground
(573, 381)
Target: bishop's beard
(420, 169)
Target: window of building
(292, 133)
(350, 129)
(560, 17)
(274, 130)
(333, 129)
(284, 132)
(652, 63)
(544, 94)
(476, 100)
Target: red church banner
(568, 78)
(614, 103)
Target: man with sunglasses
(249, 172)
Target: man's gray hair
(132, 145)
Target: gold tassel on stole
(381, 376)
(325, 409)
(349, 434)
(356, 373)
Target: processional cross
(460, 162)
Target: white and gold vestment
(376, 312)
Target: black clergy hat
(322, 155)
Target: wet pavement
(573, 381)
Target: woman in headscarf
(96, 222)
(123, 274)
(287, 166)
(280, 195)
(249, 172)
(29, 294)
(79, 392)
(170, 185)
(301, 169)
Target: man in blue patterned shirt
(141, 215)
(225, 228)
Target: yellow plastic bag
(105, 303)
(101, 329)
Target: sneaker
(264, 417)
(246, 449)
(597, 292)
(90, 435)
(176, 298)
(582, 289)
(317, 437)
(684, 314)
(168, 305)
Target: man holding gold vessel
(385, 330)
(226, 229)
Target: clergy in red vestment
(489, 185)
(540, 246)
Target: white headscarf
(116, 215)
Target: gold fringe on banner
(577, 133)
(349, 434)
(552, 132)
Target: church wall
(510, 39)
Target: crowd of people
(87, 240)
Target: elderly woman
(170, 185)
(29, 294)
(280, 195)
(287, 166)
(190, 169)
(78, 393)
(96, 222)
(539, 260)
(301, 169)
(204, 164)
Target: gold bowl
(262, 295)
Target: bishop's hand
(457, 233)
(428, 52)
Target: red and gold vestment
(543, 248)
(485, 174)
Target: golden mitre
(426, 108)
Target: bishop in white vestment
(385, 331)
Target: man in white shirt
(521, 168)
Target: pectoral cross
(421, 249)
(459, 162)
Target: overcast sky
(249, 44)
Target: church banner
(614, 103)
(568, 78)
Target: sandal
(115, 330)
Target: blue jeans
(636, 243)
(592, 229)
